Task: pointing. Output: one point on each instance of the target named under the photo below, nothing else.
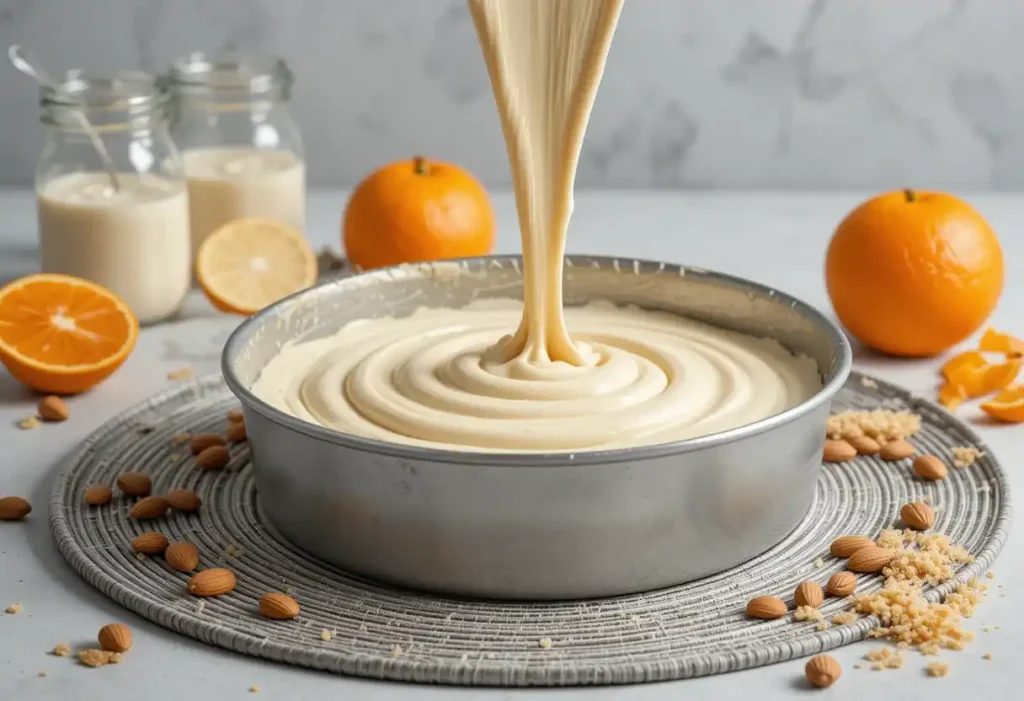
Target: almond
(202, 441)
(183, 557)
(115, 637)
(847, 545)
(871, 559)
(280, 607)
(149, 507)
(865, 445)
(822, 671)
(896, 450)
(808, 594)
(183, 500)
(98, 494)
(235, 432)
(212, 582)
(838, 451)
(53, 409)
(216, 457)
(842, 584)
(918, 515)
(14, 509)
(235, 415)
(929, 467)
(149, 543)
(766, 607)
(135, 484)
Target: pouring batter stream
(442, 378)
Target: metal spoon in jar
(23, 61)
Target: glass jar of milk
(240, 146)
(122, 223)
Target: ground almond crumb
(869, 383)
(987, 656)
(907, 618)
(544, 643)
(29, 422)
(937, 669)
(965, 456)
(990, 575)
(93, 657)
(819, 563)
(14, 608)
(180, 374)
(200, 605)
(41, 674)
(61, 650)
(821, 626)
(233, 550)
(807, 613)
(881, 424)
(181, 438)
(254, 689)
(325, 635)
(397, 651)
(844, 618)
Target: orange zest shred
(961, 361)
(952, 395)
(1007, 406)
(999, 342)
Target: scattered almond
(53, 408)
(183, 500)
(929, 467)
(183, 557)
(822, 671)
(202, 441)
(871, 559)
(235, 415)
(14, 508)
(135, 484)
(838, 450)
(213, 582)
(842, 584)
(847, 545)
(280, 607)
(149, 543)
(14, 608)
(115, 637)
(235, 432)
(918, 515)
(896, 450)
(865, 445)
(808, 594)
(149, 507)
(98, 494)
(216, 457)
(766, 607)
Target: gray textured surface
(698, 93)
(692, 630)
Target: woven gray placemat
(382, 632)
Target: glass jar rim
(125, 90)
(253, 72)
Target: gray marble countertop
(777, 239)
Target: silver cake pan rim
(838, 341)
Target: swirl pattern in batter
(438, 379)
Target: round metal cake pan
(537, 526)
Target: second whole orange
(417, 210)
(913, 273)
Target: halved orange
(248, 264)
(63, 335)
(1007, 406)
(998, 341)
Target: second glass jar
(240, 147)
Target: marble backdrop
(697, 94)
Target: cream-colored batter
(586, 378)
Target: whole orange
(417, 210)
(912, 273)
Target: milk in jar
(123, 223)
(241, 149)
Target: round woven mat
(359, 627)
